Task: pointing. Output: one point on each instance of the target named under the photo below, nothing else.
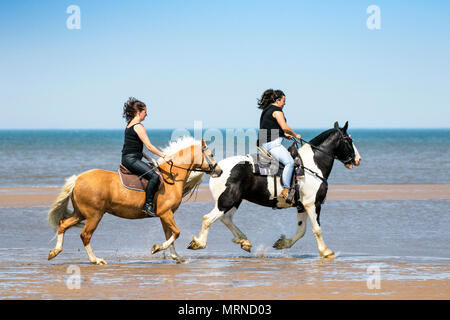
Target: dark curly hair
(268, 97)
(131, 107)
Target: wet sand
(221, 271)
(44, 196)
(216, 278)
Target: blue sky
(210, 60)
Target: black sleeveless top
(270, 125)
(132, 142)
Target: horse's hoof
(53, 254)
(281, 243)
(182, 261)
(194, 245)
(155, 249)
(100, 262)
(328, 254)
(246, 245)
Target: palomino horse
(96, 191)
(239, 182)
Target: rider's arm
(284, 126)
(140, 130)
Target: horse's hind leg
(86, 235)
(283, 242)
(64, 225)
(239, 236)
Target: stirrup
(148, 209)
(290, 196)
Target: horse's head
(208, 164)
(346, 151)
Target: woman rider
(135, 111)
(273, 128)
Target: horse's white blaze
(357, 155)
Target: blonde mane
(179, 144)
(195, 177)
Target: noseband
(212, 166)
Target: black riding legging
(134, 163)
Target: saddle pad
(265, 166)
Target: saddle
(132, 181)
(264, 164)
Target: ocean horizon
(45, 157)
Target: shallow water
(369, 228)
(406, 240)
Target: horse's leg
(173, 254)
(283, 242)
(86, 235)
(207, 221)
(313, 213)
(239, 236)
(63, 226)
(168, 221)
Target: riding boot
(150, 191)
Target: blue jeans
(282, 155)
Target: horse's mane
(318, 140)
(179, 144)
(195, 177)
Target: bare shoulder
(277, 113)
(139, 128)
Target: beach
(222, 270)
(44, 196)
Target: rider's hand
(298, 136)
(287, 135)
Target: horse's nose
(357, 161)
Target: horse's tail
(59, 210)
(194, 180)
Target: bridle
(348, 160)
(347, 139)
(211, 166)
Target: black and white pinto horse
(238, 182)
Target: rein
(212, 167)
(302, 141)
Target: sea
(389, 156)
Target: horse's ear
(344, 129)
(336, 125)
(203, 143)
